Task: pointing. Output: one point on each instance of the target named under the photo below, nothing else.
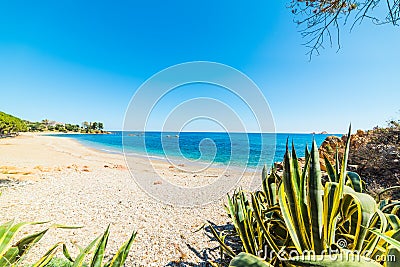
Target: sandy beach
(46, 178)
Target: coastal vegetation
(13, 253)
(11, 125)
(53, 126)
(304, 218)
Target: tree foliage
(90, 127)
(46, 125)
(320, 20)
(10, 124)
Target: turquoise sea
(236, 149)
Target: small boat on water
(172, 136)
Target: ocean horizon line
(241, 149)
(251, 132)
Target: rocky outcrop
(328, 149)
(332, 143)
(374, 154)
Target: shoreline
(68, 183)
(156, 157)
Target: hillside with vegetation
(10, 125)
(53, 126)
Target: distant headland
(11, 126)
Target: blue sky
(71, 61)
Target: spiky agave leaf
(395, 243)
(291, 200)
(354, 181)
(266, 233)
(26, 243)
(99, 245)
(47, 257)
(9, 257)
(269, 184)
(315, 202)
(241, 214)
(378, 221)
(221, 242)
(99, 251)
(332, 175)
(13, 254)
(335, 194)
(119, 259)
(79, 261)
(8, 231)
(66, 253)
(392, 188)
(365, 207)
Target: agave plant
(99, 245)
(296, 213)
(12, 253)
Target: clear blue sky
(72, 61)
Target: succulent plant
(12, 253)
(296, 213)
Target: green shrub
(10, 124)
